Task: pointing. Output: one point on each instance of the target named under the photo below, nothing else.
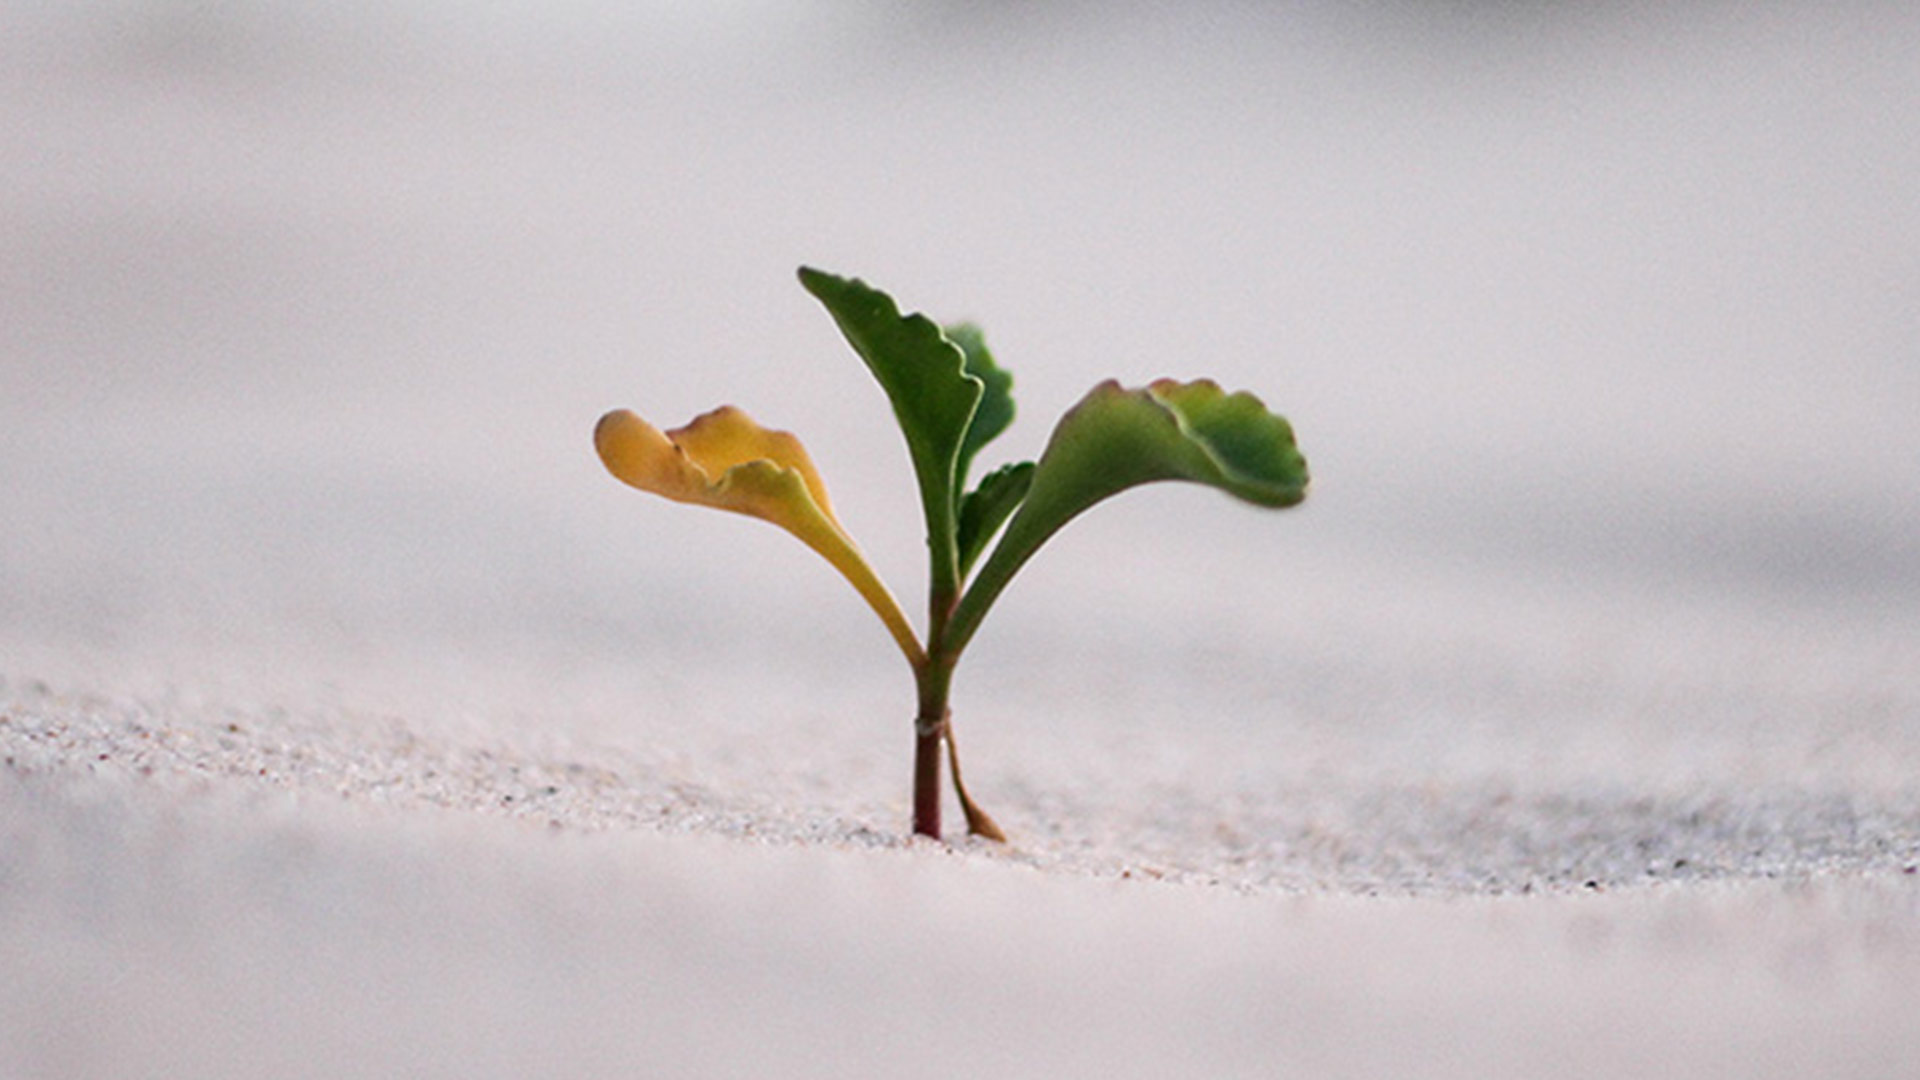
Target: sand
(256, 896)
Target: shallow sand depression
(354, 722)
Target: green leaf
(934, 398)
(996, 401)
(986, 508)
(1117, 438)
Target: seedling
(951, 399)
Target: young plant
(951, 399)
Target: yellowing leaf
(725, 460)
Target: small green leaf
(1117, 438)
(996, 401)
(985, 509)
(934, 398)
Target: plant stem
(932, 679)
(1016, 546)
(926, 783)
(979, 823)
(933, 725)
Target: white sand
(354, 723)
(210, 934)
(290, 899)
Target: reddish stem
(926, 778)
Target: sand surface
(355, 723)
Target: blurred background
(1600, 326)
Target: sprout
(951, 399)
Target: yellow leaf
(725, 460)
